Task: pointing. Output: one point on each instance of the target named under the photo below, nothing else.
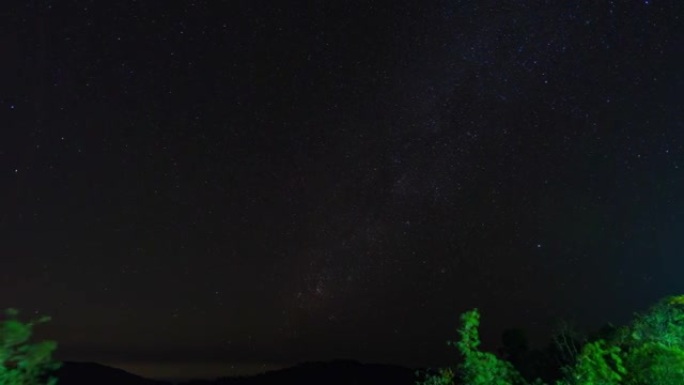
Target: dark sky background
(232, 186)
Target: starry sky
(245, 185)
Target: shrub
(482, 368)
(22, 363)
(663, 324)
(654, 344)
(477, 368)
(597, 364)
(657, 364)
(444, 376)
(650, 351)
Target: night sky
(254, 184)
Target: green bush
(650, 351)
(477, 368)
(663, 324)
(597, 364)
(655, 363)
(22, 363)
(444, 376)
(654, 344)
(482, 368)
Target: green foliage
(650, 351)
(477, 368)
(655, 364)
(663, 324)
(654, 344)
(443, 377)
(597, 364)
(22, 363)
(481, 368)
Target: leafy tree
(597, 364)
(650, 351)
(444, 376)
(655, 364)
(22, 363)
(654, 344)
(481, 368)
(663, 323)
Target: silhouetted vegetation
(649, 351)
(22, 362)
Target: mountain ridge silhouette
(335, 372)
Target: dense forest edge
(647, 351)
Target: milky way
(258, 185)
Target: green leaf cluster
(657, 364)
(21, 362)
(481, 368)
(649, 351)
(444, 376)
(597, 364)
(654, 344)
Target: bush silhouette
(22, 363)
(654, 363)
(649, 351)
(477, 368)
(654, 344)
(597, 363)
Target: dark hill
(89, 373)
(340, 372)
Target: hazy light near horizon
(193, 370)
